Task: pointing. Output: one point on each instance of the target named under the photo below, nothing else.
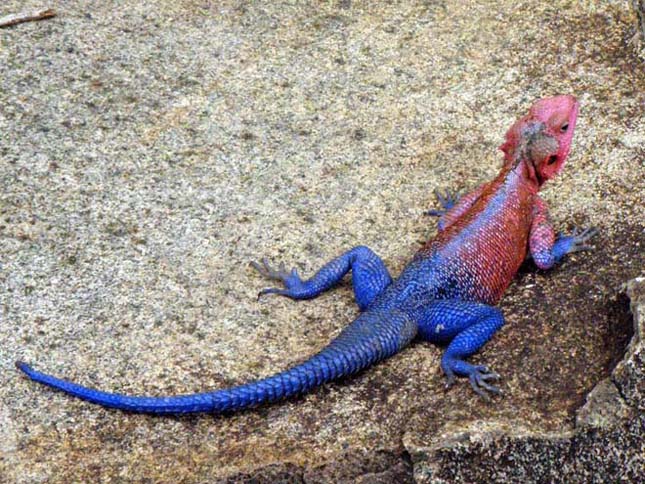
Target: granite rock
(150, 150)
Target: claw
(478, 390)
(490, 376)
(588, 233)
(450, 380)
(440, 197)
(263, 268)
(266, 270)
(581, 248)
(450, 199)
(487, 386)
(258, 267)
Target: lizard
(446, 294)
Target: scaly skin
(446, 294)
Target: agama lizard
(446, 294)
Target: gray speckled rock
(148, 152)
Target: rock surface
(148, 153)
(607, 443)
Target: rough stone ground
(148, 151)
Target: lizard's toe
(447, 200)
(478, 379)
(580, 238)
(450, 380)
(434, 213)
(262, 267)
(272, 290)
(280, 274)
(589, 232)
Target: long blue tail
(373, 336)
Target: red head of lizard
(556, 117)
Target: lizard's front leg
(453, 206)
(447, 201)
(545, 248)
(369, 277)
(466, 326)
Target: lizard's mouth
(539, 177)
(551, 162)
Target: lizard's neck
(525, 171)
(519, 175)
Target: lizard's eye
(552, 159)
(564, 127)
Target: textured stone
(604, 407)
(149, 150)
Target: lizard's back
(476, 257)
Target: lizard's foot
(479, 381)
(579, 238)
(478, 376)
(291, 280)
(447, 200)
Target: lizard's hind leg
(466, 327)
(369, 277)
